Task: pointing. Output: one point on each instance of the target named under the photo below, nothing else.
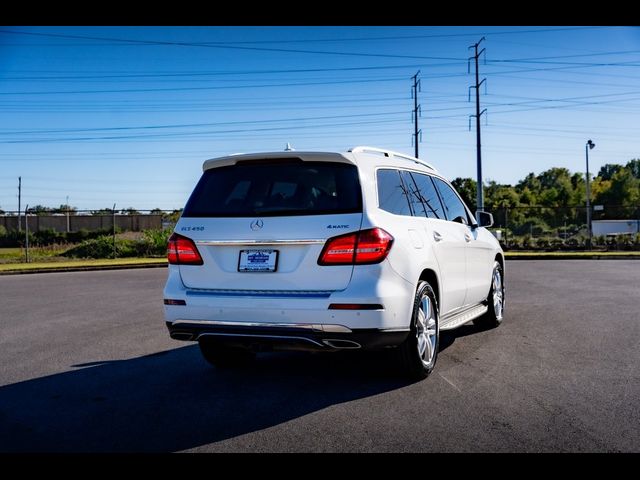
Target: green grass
(36, 254)
(9, 253)
(62, 263)
(6, 267)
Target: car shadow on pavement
(449, 336)
(173, 400)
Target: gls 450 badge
(192, 229)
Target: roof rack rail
(390, 153)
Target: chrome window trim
(310, 241)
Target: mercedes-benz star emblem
(257, 224)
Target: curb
(133, 266)
(136, 266)
(572, 257)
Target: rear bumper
(306, 337)
(373, 285)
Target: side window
(392, 195)
(414, 195)
(452, 204)
(429, 196)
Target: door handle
(468, 237)
(436, 236)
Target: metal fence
(614, 227)
(75, 220)
(557, 228)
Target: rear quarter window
(393, 197)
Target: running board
(458, 319)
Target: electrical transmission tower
(478, 114)
(417, 133)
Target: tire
(495, 300)
(225, 357)
(417, 355)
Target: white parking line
(449, 382)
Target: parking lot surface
(87, 365)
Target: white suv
(328, 251)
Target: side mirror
(485, 219)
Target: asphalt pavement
(86, 364)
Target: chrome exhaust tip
(341, 344)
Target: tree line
(556, 197)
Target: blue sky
(127, 115)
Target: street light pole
(589, 146)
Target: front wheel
(495, 300)
(417, 355)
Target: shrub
(84, 234)
(555, 243)
(49, 236)
(542, 242)
(14, 238)
(531, 225)
(577, 241)
(514, 243)
(155, 241)
(102, 247)
(528, 242)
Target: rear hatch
(260, 224)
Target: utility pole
(26, 233)
(114, 230)
(416, 110)
(480, 193)
(19, 201)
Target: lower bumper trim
(262, 338)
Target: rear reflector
(169, 301)
(356, 306)
(358, 248)
(182, 251)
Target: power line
(221, 46)
(352, 39)
(185, 125)
(225, 87)
(236, 72)
(633, 63)
(220, 132)
(595, 54)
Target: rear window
(276, 188)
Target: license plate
(258, 261)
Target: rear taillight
(182, 251)
(358, 248)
